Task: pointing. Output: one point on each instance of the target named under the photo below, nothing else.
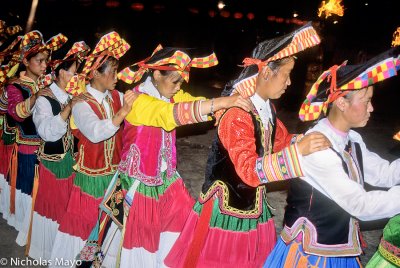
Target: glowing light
(137, 6)
(335, 22)
(396, 38)
(366, 3)
(238, 15)
(221, 5)
(295, 14)
(331, 7)
(250, 16)
(212, 13)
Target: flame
(397, 136)
(331, 7)
(396, 38)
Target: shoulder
(235, 115)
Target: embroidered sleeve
(149, 111)
(14, 99)
(282, 165)
(23, 109)
(236, 131)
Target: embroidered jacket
(19, 91)
(56, 150)
(150, 150)
(100, 158)
(325, 205)
(242, 160)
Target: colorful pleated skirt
(226, 240)
(292, 255)
(55, 184)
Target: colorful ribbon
(179, 61)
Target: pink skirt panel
(82, 214)
(5, 157)
(53, 194)
(225, 248)
(148, 217)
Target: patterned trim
(111, 203)
(390, 252)
(23, 109)
(109, 146)
(131, 167)
(186, 113)
(310, 237)
(221, 191)
(67, 138)
(301, 40)
(279, 166)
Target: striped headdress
(338, 80)
(30, 43)
(109, 45)
(179, 61)
(7, 31)
(272, 50)
(77, 53)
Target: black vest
(26, 128)
(57, 147)
(220, 167)
(329, 219)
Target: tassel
(200, 234)
(34, 193)
(12, 171)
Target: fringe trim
(61, 169)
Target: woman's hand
(238, 101)
(129, 97)
(313, 142)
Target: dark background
(363, 31)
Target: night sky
(363, 31)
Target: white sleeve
(49, 127)
(324, 171)
(93, 128)
(121, 97)
(378, 171)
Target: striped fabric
(302, 40)
(380, 71)
(279, 166)
(180, 62)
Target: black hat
(338, 80)
(271, 50)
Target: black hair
(65, 65)
(110, 61)
(251, 70)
